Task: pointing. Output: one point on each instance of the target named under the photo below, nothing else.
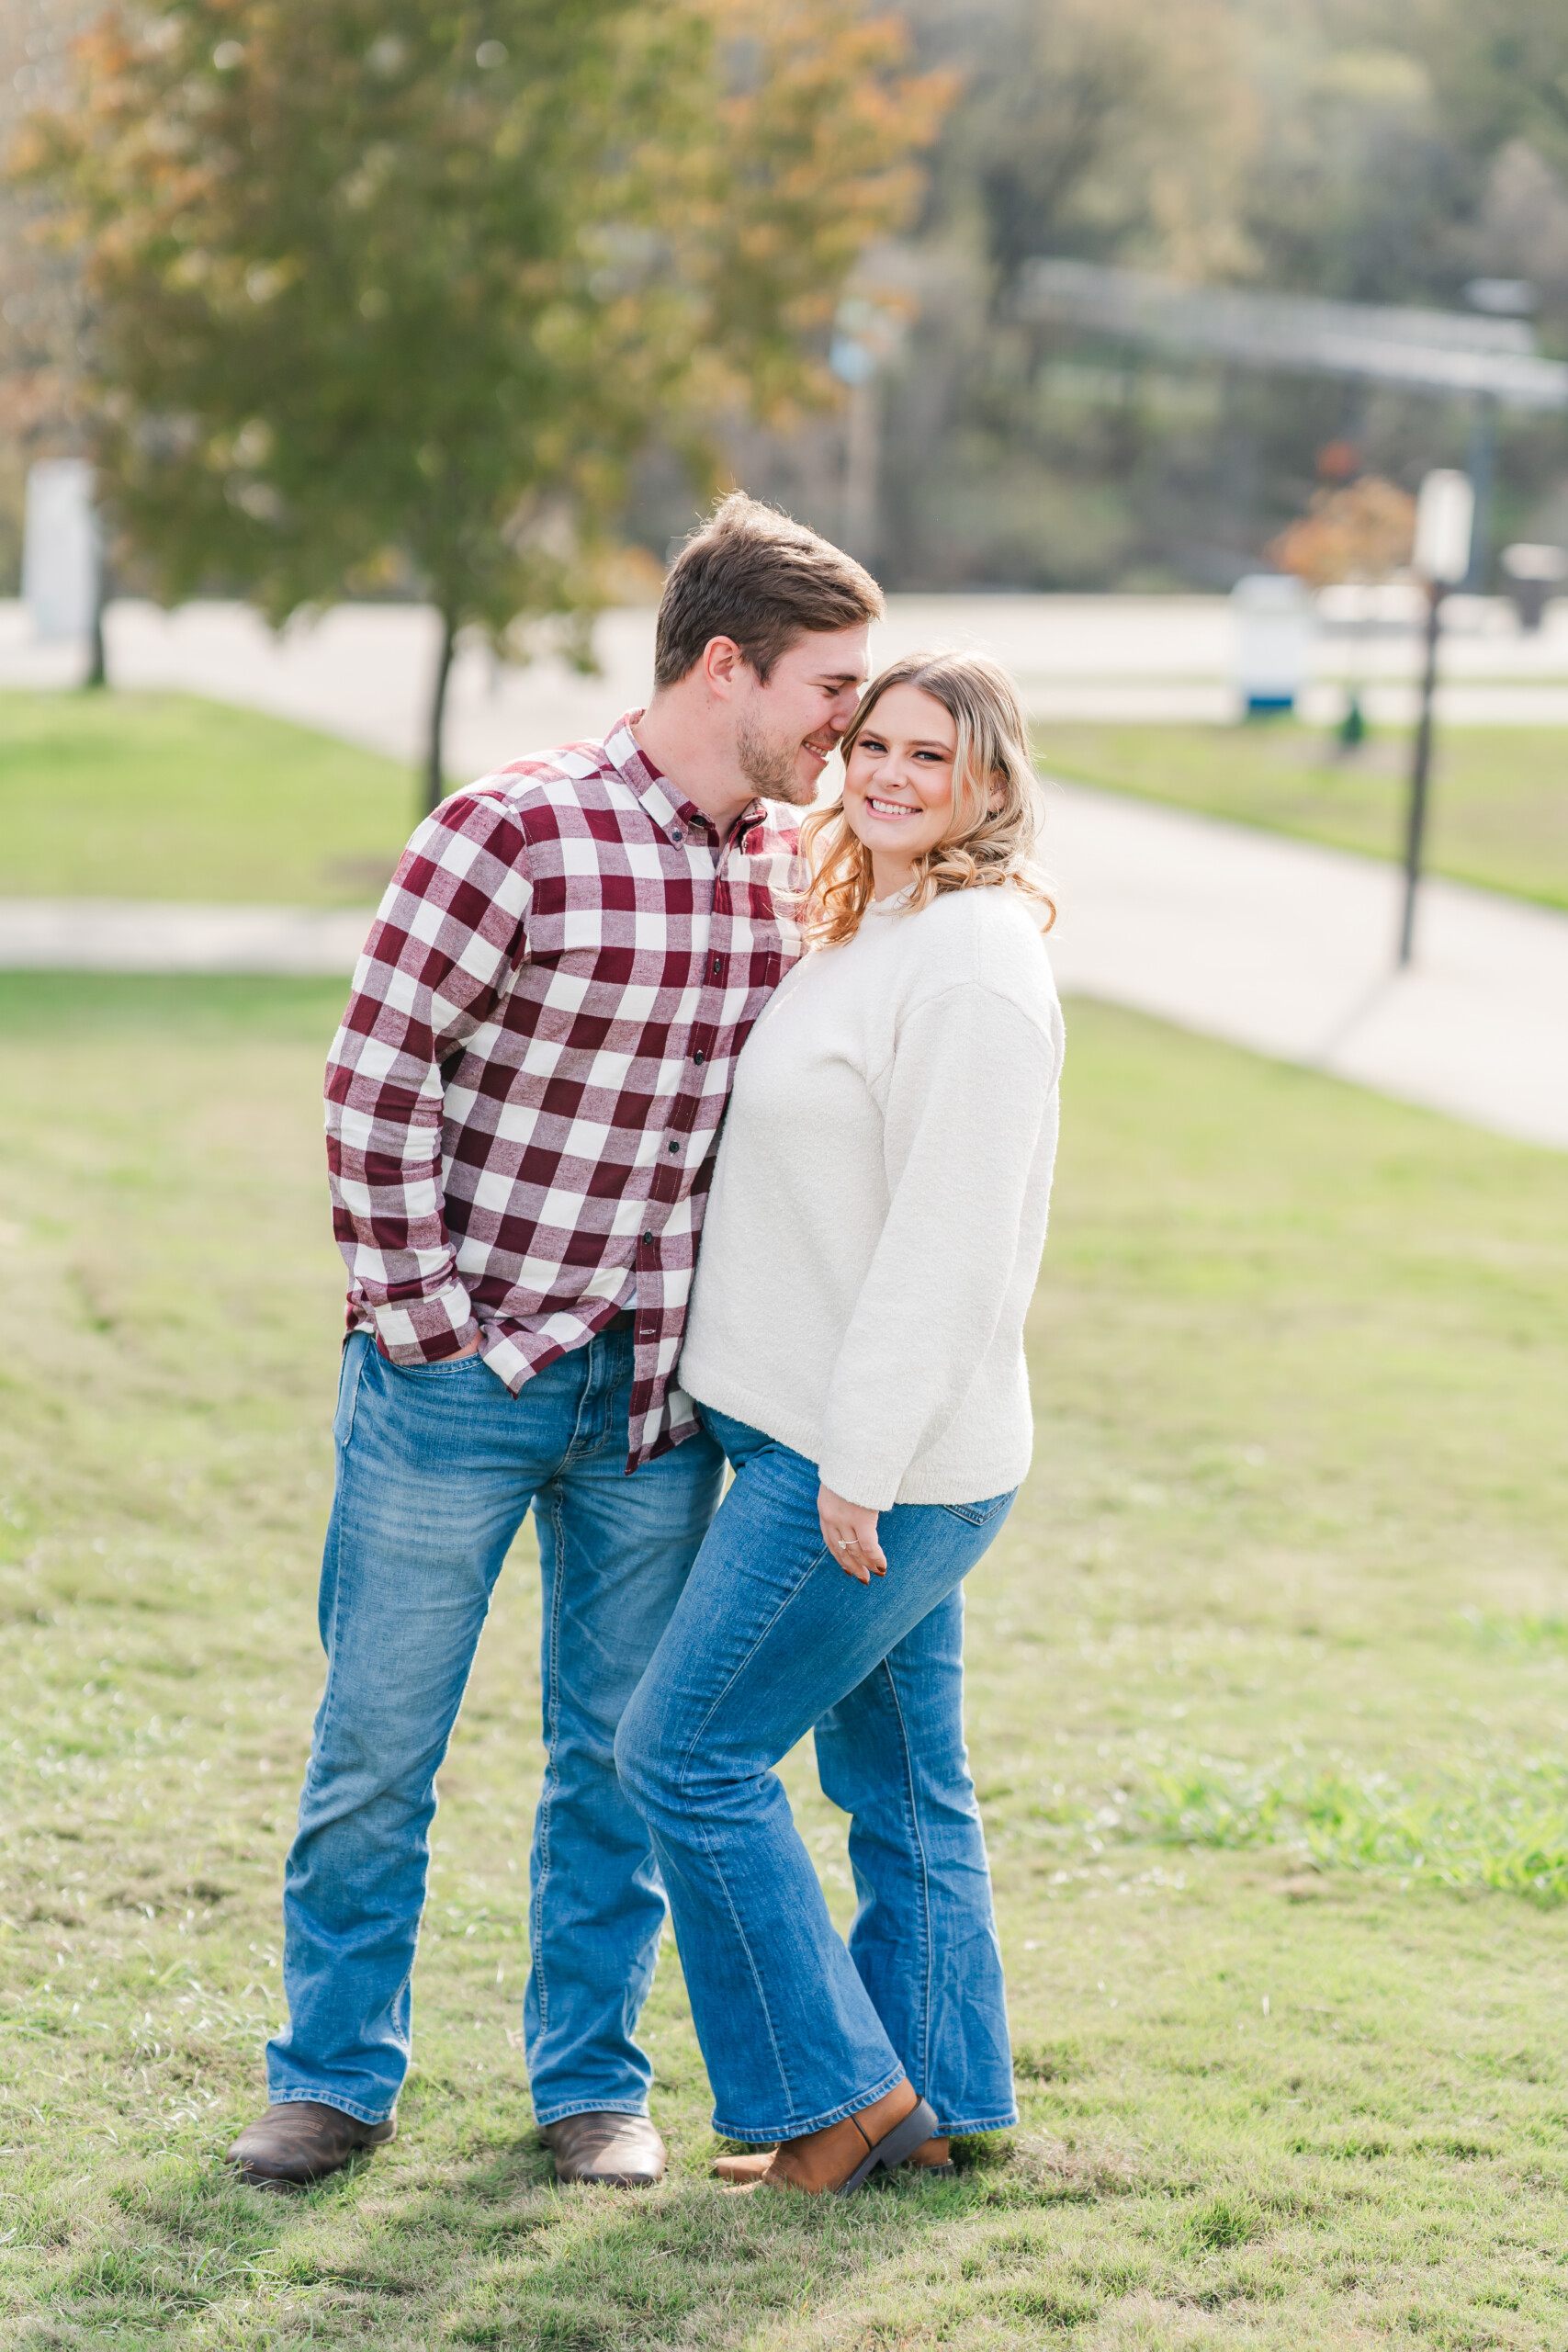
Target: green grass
(160, 796)
(1287, 1583)
(163, 797)
(1499, 810)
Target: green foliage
(1503, 68)
(388, 293)
(358, 293)
(1101, 123)
(1383, 151)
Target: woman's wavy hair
(996, 802)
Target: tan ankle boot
(932, 2156)
(840, 2158)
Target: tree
(1102, 127)
(1502, 69)
(1362, 531)
(392, 290)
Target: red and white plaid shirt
(524, 1100)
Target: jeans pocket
(357, 1347)
(980, 1514)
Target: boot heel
(890, 2152)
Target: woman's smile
(898, 779)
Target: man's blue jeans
(769, 1639)
(435, 1469)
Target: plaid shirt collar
(675, 817)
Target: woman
(856, 1344)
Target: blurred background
(996, 431)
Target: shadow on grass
(486, 2248)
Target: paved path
(364, 671)
(177, 935)
(1289, 949)
(1272, 944)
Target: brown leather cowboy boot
(616, 2150)
(842, 2156)
(291, 2146)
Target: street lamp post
(1420, 774)
(1445, 515)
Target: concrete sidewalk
(365, 671)
(179, 935)
(1289, 949)
(1272, 944)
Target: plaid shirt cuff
(424, 1330)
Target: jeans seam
(684, 1766)
(335, 1529)
(920, 1843)
(319, 1741)
(354, 1398)
(557, 1516)
(718, 1868)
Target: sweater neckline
(894, 905)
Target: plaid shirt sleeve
(445, 946)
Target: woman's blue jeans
(769, 1639)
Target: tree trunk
(97, 665)
(435, 775)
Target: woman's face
(899, 780)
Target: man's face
(786, 729)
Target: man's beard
(769, 764)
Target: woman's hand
(849, 1533)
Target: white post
(59, 550)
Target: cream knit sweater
(879, 1205)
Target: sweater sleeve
(971, 1079)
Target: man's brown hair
(760, 577)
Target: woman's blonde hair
(995, 801)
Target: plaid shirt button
(526, 919)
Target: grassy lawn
(1499, 810)
(160, 796)
(163, 797)
(1269, 1687)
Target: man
(523, 1105)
